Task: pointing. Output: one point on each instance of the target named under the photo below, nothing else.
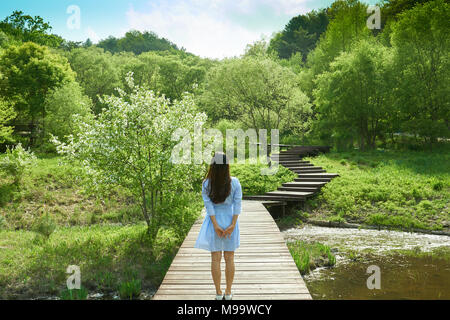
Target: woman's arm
(217, 228)
(230, 229)
(237, 199)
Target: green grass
(49, 222)
(56, 189)
(130, 290)
(74, 294)
(309, 256)
(397, 189)
(441, 253)
(106, 256)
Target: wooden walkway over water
(264, 267)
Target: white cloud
(92, 35)
(210, 28)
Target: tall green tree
(169, 74)
(96, 72)
(137, 42)
(7, 114)
(26, 28)
(28, 72)
(301, 34)
(422, 45)
(258, 92)
(130, 144)
(347, 26)
(63, 104)
(353, 98)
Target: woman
(222, 195)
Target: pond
(402, 276)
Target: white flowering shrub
(130, 144)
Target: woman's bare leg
(229, 270)
(215, 270)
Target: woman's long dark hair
(219, 185)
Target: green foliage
(96, 72)
(6, 115)
(29, 71)
(25, 28)
(17, 162)
(300, 35)
(386, 189)
(347, 26)
(421, 43)
(137, 42)
(44, 226)
(171, 74)
(353, 97)
(2, 222)
(130, 144)
(258, 92)
(62, 104)
(254, 183)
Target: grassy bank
(50, 221)
(398, 189)
(108, 256)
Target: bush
(254, 183)
(44, 226)
(17, 162)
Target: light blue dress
(207, 237)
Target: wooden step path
(310, 179)
(265, 269)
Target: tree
(169, 74)
(301, 34)
(347, 26)
(96, 72)
(130, 144)
(25, 28)
(258, 92)
(137, 42)
(7, 114)
(353, 97)
(421, 43)
(28, 72)
(62, 105)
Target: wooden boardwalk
(264, 267)
(310, 179)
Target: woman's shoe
(229, 296)
(219, 296)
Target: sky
(208, 28)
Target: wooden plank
(264, 266)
